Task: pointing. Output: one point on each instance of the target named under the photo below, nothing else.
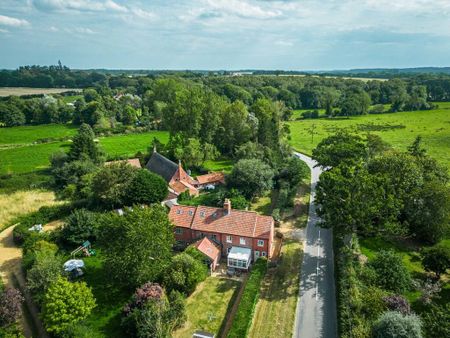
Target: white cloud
(53, 29)
(244, 9)
(284, 43)
(142, 14)
(79, 5)
(4, 30)
(13, 22)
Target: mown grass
(207, 307)
(275, 311)
(398, 129)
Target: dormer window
(214, 215)
(179, 212)
(190, 213)
(202, 214)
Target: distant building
(178, 179)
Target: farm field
(207, 307)
(398, 129)
(25, 135)
(19, 91)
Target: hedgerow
(244, 315)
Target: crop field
(19, 91)
(398, 129)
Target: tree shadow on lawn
(110, 299)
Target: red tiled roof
(182, 217)
(134, 162)
(207, 247)
(209, 219)
(180, 186)
(211, 178)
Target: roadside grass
(298, 214)
(23, 202)
(275, 310)
(105, 319)
(398, 129)
(207, 307)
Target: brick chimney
(227, 206)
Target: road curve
(316, 306)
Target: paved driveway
(316, 307)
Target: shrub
(397, 303)
(372, 302)
(65, 304)
(436, 321)
(393, 324)
(46, 270)
(391, 273)
(30, 252)
(177, 311)
(149, 313)
(437, 259)
(42, 216)
(184, 273)
(80, 226)
(10, 306)
(146, 188)
(243, 318)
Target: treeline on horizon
(112, 102)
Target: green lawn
(207, 307)
(104, 321)
(398, 129)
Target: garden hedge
(244, 315)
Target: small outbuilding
(210, 250)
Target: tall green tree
(138, 245)
(251, 176)
(146, 188)
(83, 146)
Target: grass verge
(275, 311)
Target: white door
(256, 255)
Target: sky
(225, 34)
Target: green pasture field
(398, 129)
(25, 135)
(19, 156)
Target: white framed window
(260, 242)
(178, 231)
(214, 237)
(202, 214)
(256, 254)
(190, 213)
(242, 241)
(229, 239)
(179, 212)
(264, 254)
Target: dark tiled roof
(162, 166)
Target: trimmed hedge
(244, 315)
(42, 216)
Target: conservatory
(239, 258)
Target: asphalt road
(316, 306)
